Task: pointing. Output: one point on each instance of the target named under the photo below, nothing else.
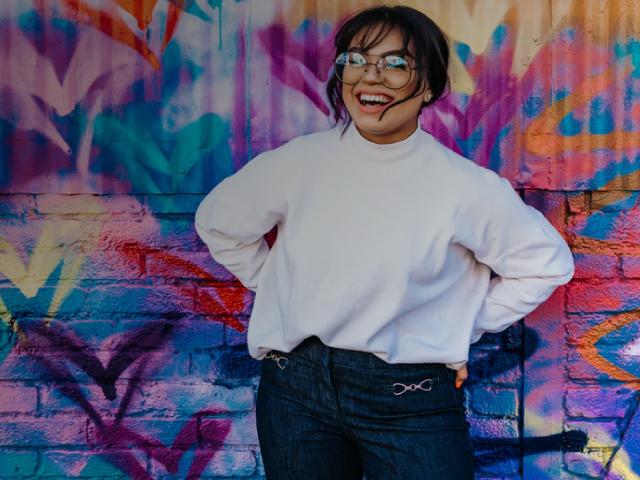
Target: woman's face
(400, 121)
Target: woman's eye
(343, 59)
(356, 59)
(395, 63)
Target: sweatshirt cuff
(475, 336)
(456, 365)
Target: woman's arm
(529, 256)
(235, 215)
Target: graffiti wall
(123, 344)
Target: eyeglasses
(394, 71)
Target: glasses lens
(350, 67)
(396, 71)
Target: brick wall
(123, 345)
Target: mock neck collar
(382, 151)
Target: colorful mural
(122, 343)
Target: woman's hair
(373, 24)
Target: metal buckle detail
(425, 385)
(280, 360)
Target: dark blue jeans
(330, 414)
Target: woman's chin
(374, 127)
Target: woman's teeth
(374, 99)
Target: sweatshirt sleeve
(234, 216)
(529, 256)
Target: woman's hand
(461, 376)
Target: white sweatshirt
(380, 248)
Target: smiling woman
(398, 92)
(411, 57)
(369, 299)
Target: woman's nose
(371, 74)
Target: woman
(379, 279)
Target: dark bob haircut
(431, 50)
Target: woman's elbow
(566, 266)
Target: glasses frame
(377, 64)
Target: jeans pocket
(284, 376)
(403, 393)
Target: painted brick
(53, 400)
(613, 295)
(8, 337)
(565, 475)
(598, 401)
(551, 204)
(609, 201)
(495, 401)
(160, 299)
(18, 463)
(235, 338)
(577, 325)
(17, 205)
(161, 364)
(76, 205)
(590, 265)
(186, 460)
(229, 363)
(174, 399)
(579, 202)
(501, 368)
(17, 398)
(168, 365)
(160, 430)
(190, 265)
(500, 462)
(589, 464)
(56, 204)
(260, 463)
(243, 429)
(94, 332)
(43, 432)
(127, 232)
(579, 368)
(86, 464)
(21, 305)
(177, 233)
(19, 366)
(231, 463)
(600, 434)
(108, 265)
(484, 428)
(630, 266)
(197, 333)
(606, 231)
(223, 300)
